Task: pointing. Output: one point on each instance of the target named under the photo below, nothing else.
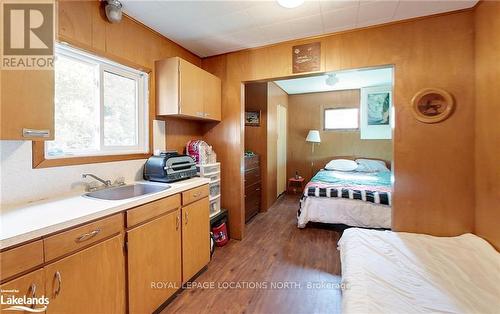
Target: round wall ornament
(431, 105)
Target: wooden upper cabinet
(190, 90)
(212, 97)
(187, 91)
(89, 281)
(27, 105)
(195, 238)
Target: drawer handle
(86, 236)
(32, 291)
(197, 194)
(58, 277)
(36, 133)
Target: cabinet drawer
(145, 212)
(252, 176)
(252, 205)
(20, 259)
(251, 162)
(194, 194)
(250, 189)
(74, 239)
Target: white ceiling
(351, 79)
(208, 27)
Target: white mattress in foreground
(395, 272)
(354, 213)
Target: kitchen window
(101, 107)
(341, 119)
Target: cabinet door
(191, 89)
(90, 281)
(154, 262)
(27, 102)
(30, 285)
(195, 238)
(212, 97)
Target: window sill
(39, 160)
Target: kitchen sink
(126, 191)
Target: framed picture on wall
(376, 113)
(252, 118)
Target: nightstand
(295, 184)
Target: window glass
(100, 107)
(120, 110)
(76, 108)
(344, 118)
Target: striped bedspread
(368, 187)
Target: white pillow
(341, 165)
(370, 165)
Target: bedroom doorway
(281, 130)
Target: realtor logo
(28, 35)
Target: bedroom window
(101, 107)
(341, 119)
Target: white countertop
(31, 221)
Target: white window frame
(340, 129)
(142, 96)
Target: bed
(352, 198)
(396, 272)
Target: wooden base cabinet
(89, 281)
(154, 262)
(29, 285)
(195, 237)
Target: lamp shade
(313, 136)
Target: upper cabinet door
(212, 97)
(191, 89)
(27, 105)
(187, 91)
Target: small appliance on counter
(169, 167)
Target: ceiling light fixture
(113, 11)
(331, 79)
(290, 4)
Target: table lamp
(313, 137)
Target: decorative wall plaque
(431, 105)
(306, 58)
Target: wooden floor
(274, 251)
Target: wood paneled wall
(227, 138)
(487, 224)
(83, 24)
(306, 112)
(433, 192)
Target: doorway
(281, 130)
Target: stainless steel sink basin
(126, 191)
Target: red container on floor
(220, 234)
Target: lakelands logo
(28, 35)
(22, 304)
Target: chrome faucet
(107, 183)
